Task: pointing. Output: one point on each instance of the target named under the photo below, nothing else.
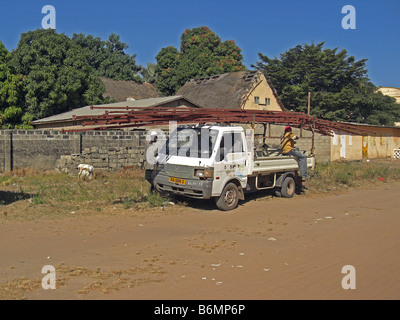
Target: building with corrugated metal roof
(66, 120)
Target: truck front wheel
(229, 198)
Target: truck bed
(276, 163)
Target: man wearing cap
(288, 149)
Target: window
(267, 101)
(257, 100)
(230, 143)
(191, 142)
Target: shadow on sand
(210, 205)
(8, 197)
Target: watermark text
(349, 20)
(49, 20)
(49, 280)
(349, 280)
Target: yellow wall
(356, 147)
(346, 146)
(391, 92)
(262, 90)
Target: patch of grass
(337, 175)
(58, 193)
(38, 199)
(156, 200)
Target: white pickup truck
(221, 162)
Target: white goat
(85, 172)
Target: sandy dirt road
(269, 248)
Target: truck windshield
(191, 142)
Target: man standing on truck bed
(288, 149)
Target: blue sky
(265, 26)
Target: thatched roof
(122, 90)
(228, 90)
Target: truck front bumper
(200, 189)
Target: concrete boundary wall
(41, 149)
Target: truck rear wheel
(229, 198)
(288, 188)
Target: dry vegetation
(26, 194)
(357, 174)
(95, 280)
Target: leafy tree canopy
(149, 73)
(202, 53)
(57, 76)
(4, 54)
(109, 58)
(11, 111)
(340, 88)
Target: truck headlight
(204, 173)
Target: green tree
(57, 75)
(109, 58)
(11, 97)
(5, 55)
(202, 53)
(93, 48)
(341, 90)
(149, 73)
(167, 64)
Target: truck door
(230, 161)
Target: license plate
(177, 180)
